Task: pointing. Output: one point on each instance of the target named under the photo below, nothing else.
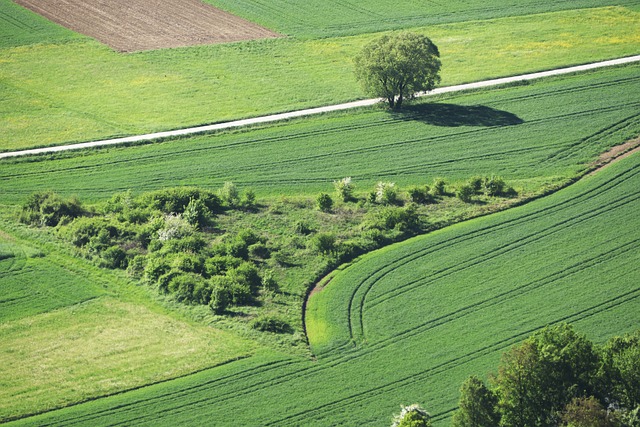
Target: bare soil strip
(616, 153)
(136, 25)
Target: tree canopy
(398, 66)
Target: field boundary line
(273, 118)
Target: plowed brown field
(134, 25)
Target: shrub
(197, 214)
(183, 285)
(163, 281)
(302, 227)
(119, 202)
(248, 237)
(202, 292)
(193, 244)
(155, 267)
(220, 297)
(249, 199)
(493, 186)
(344, 189)
(175, 200)
(259, 250)
(324, 202)
(393, 217)
(439, 187)
(412, 416)
(114, 257)
(465, 192)
(188, 262)
(420, 195)
(175, 227)
(237, 248)
(269, 283)
(585, 412)
(324, 243)
(219, 264)
(386, 193)
(230, 194)
(80, 231)
(268, 323)
(49, 209)
(246, 274)
(135, 268)
(477, 183)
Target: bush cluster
(558, 377)
(158, 238)
(49, 209)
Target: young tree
(397, 66)
(477, 405)
(344, 189)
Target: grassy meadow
(388, 329)
(72, 332)
(59, 87)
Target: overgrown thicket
(182, 242)
(558, 377)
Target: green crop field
(408, 323)
(59, 87)
(337, 18)
(549, 130)
(85, 345)
(33, 283)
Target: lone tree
(398, 66)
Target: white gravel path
(312, 111)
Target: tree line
(556, 377)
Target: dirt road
(319, 110)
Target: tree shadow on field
(452, 115)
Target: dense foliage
(398, 66)
(170, 239)
(558, 377)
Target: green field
(84, 345)
(59, 87)
(72, 332)
(404, 325)
(549, 130)
(338, 18)
(33, 283)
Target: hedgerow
(178, 241)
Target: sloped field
(339, 17)
(410, 322)
(548, 129)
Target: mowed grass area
(531, 135)
(410, 322)
(337, 17)
(59, 87)
(72, 332)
